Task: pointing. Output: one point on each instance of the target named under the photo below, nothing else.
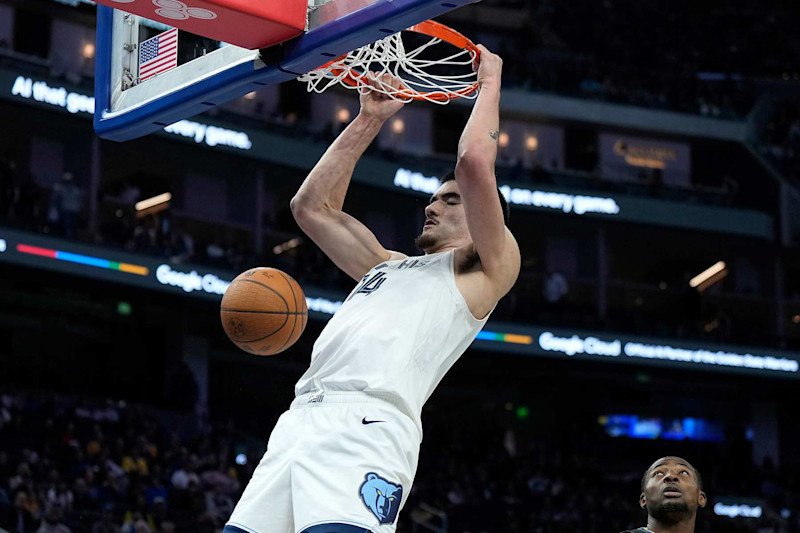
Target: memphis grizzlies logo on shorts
(381, 497)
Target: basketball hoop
(437, 80)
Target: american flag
(158, 54)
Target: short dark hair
(450, 176)
(696, 475)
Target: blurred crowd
(66, 466)
(680, 55)
(577, 479)
(780, 137)
(87, 466)
(671, 310)
(683, 56)
(61, 210)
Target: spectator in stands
(82, 497)
(65, 205)
(25, 514)
(219, 479)
(22, 479)
(5, 506)
(689, 309)
(158, 511)
(106, 523)
(130, 193)
(196, 501)
(52, 522)
(136, 523)
(185, 474)
(181, 247)
(237, 257)
(135, 463)
(219, 504)
(216, 253)
(61, 496)
(554, 291)
(8, 165)
(539, 174)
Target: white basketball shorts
(336, 462)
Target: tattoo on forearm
(494, 134)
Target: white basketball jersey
(398, 333)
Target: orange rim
(432, 29)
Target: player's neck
(684, 526)
(447, 246)
(439, 249)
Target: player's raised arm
(477, 152)
(317, 206)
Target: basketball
(264, 311)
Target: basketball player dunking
(672, 492)
(343, 458)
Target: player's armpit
(493, 242)
(505, 271)
(346, 241)
(481, 289)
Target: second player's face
(445, 221)
(672, 489)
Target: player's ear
(701, 499)
(642, 500)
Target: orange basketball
(264, 311)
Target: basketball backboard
(206, 72)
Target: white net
(436, 80)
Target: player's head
(445, 220)
(672, 491)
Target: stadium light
(343, 115)
(709, 276)
(154, 201)
(88, 50)
(286, 246)
(503, 140)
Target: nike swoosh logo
(365, 421)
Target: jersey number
(369, 284)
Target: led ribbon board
(630, 349)
(81, 259)
(59, 255)
(69, 257)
